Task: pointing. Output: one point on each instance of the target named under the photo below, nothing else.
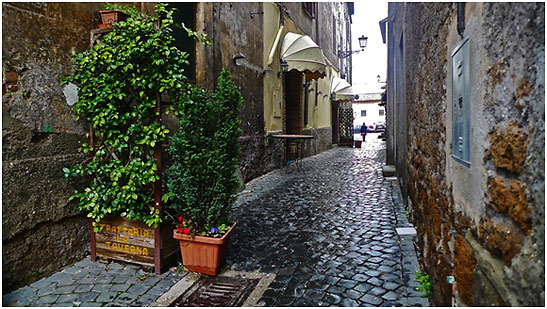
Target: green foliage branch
(202, 180)
(425, 285)
(119, 80)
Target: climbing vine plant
(120, 81)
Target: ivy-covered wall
(41, 230)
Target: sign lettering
(127, 248)
(120, 242)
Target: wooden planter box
(348, 142)
(126, 240)
(135, 242)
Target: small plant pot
(203, 254)
(108, 17)
(357, 144)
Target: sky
(371, 62)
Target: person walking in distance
(363, 131)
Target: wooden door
(293, 102)
(334, 122)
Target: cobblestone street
(95, 284)
(328, 232)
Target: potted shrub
(202, 179)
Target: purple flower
(214, 230)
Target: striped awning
(301, 53)
(341, 90)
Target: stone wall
(484, 224)
(42, 231)
(235, 33)
(321, 141)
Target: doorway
(293, 98)
(334, 121)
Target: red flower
(180, 230)
(180, 219)
(186, 231)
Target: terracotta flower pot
(203, 254)
(108, 17)
(357, 144)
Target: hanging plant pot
(108, 17)
(203, 254)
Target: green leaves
(205, 151)
(117, 80)
(425, 285)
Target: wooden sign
(131, 241)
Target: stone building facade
(466, 132)
(249, 49)
(42, 230)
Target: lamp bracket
(256, 13)
(347, 53)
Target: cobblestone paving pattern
(327, 232)
(94, 284)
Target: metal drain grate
(217, 292)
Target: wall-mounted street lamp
(362, 43)
(284, 66)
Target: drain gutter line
(176, 290)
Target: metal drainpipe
(316, 41)
(277, 37)
(460, 6)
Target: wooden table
(294, 144)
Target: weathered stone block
(23, 256)
(484, 292)
(500, 238)
(510, 197)
(509, 147)
(464, 267)
(388, 170)
(35, 191)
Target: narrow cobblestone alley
(328, 232)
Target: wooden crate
(135, 242)
(347, 142)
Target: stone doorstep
(187, 282)
(388, 170)
(405, 231)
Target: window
(380, 112)
(364, 113)
(185, 13)
(310, 8)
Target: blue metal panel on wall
(461, 104)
